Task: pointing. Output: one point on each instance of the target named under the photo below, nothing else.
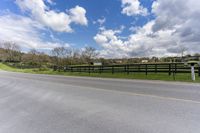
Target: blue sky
(116, 28)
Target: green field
(150, 76)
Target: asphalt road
(55, 104)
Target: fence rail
(170, 68)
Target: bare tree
(42, 59)
(59, 52)
(34, 52)
(12, 51)
(76, 57)
(89, 53)
(11, 46)
(62, 55)
(35, 58)
(31, 58)
(182, 52)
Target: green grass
(150, 76)
(8, 68)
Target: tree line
(59, 56)
(62, 56)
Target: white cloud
(133, 8)
(77, 15)
(101, 21)
(112, 45)
(31, 32)
(176, 26)
(181, 17)
(51, 2)
(142, 43)
(58, 21)
(100, 39)
(24, 31)
(134, 28)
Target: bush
(43, 68)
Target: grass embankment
(150, 76)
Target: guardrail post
(65, 68)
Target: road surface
(55, 104)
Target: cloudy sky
(116, 28)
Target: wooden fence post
(199, 71)
(89, 69)
(100, 69)
(54, 68)
(169, 69)
(80, 69)
(127, 69)
(156, 66)
(146, 69)
(112, 70)
(139, 68)
(175, 68)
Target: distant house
(144, 61)
(119, 61)
(97, 63)
(187, 58)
